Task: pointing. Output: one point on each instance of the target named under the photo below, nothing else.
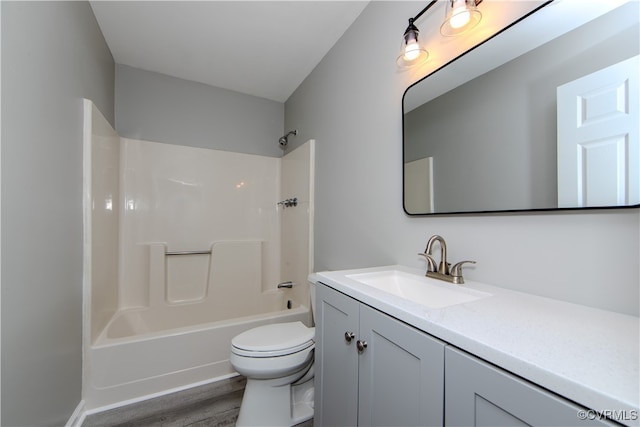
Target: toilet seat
(273, 340)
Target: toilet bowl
(277, 360)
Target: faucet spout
(443, 267)
(288, 284)
(442, 271)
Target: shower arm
(284, 140)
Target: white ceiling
(261, 48)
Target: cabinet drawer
(480, 394)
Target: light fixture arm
(429, 6)
(412, 28)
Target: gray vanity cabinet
(480, 394)
(336, 359)
(372, 369)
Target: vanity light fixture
(460, 16)
(411, 50)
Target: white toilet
(278, 363)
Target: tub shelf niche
(227, 270)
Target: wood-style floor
(210, 405)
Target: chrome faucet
(288, 285)
(442, 271)
(443, 267)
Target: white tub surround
(183, 250)
(176, 199)
(101, 195)
(587, 355)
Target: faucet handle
(431, 264)
(456, 271)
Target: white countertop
(587, 355)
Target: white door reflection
(598, 141)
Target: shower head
(284, 140)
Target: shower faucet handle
(288, 202)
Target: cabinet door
(479, 394)
(401, 374)
(336, 378)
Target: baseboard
(77, 418)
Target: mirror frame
(500, 211)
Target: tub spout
(288, 284)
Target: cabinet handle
(348, 336)
(361, 345)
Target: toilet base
(266, 405)
(302, 402)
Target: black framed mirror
(496, 142)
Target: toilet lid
(279, 336)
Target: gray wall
(351, 104)
(160, 108)
(509, 113)
(53, 55)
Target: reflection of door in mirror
(598, 141)
(418, 188)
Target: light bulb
(411, 53)
(412, 50)
(459, 17)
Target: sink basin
(425, 291)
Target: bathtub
(238, 243)
(143, 353)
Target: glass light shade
(460, 16)
(411, 53)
